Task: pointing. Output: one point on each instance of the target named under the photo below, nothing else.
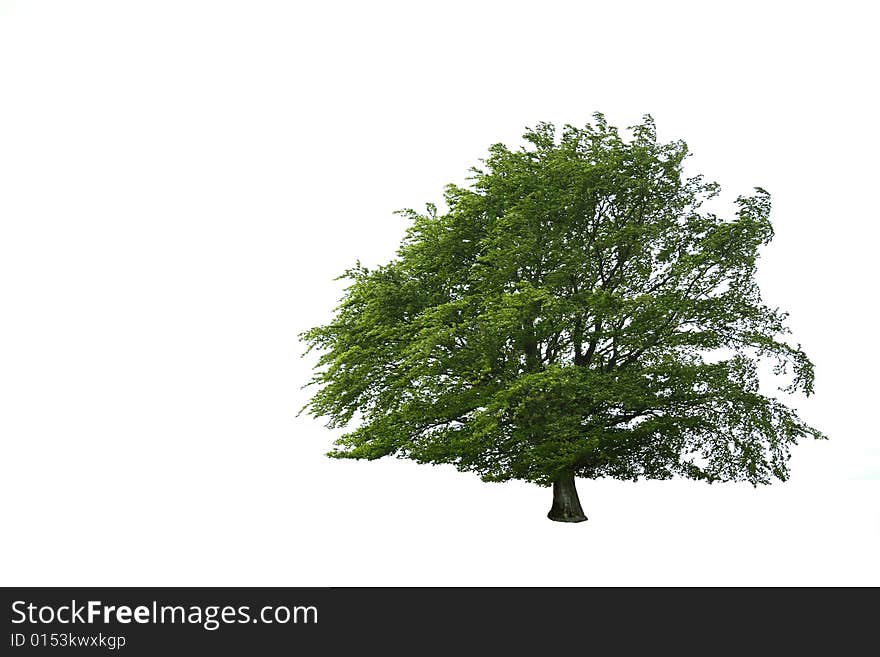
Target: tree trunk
(566, 505)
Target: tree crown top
(575, 310)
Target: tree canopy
(574, 312)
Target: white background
(181, 181)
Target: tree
(574, 313)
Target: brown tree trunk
(566, 505)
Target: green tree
(574, 313)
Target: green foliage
(574, 311)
